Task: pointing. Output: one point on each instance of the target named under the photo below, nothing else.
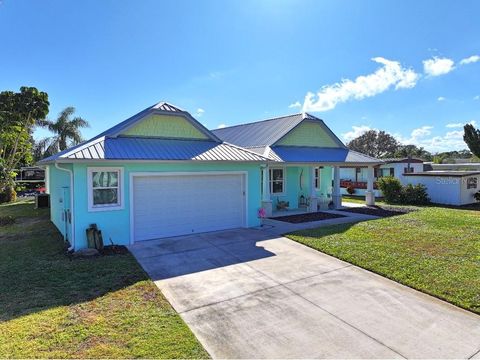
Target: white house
(357, 176)
(448, 187)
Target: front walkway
(273, 226)
(248, 294)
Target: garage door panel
(183, 204)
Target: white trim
(132, 175)
(270, 180)
(121, 191)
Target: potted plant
(350, 190)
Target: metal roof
(452, 173)
(259, 136)
(319, 155)
(135, 148)
(402, 160)
(260, 133)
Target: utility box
(42, 201)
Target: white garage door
(172, 205)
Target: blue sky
(389, 65)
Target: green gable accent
(167, 126)
(308, 133)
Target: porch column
(336, 195)
(369, 194)
(313, 192)
(266, 200)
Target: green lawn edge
(434, 250)
(55, 307)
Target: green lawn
(435, 250)
(54, 307)
(359, 199)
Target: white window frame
(110, 207)
(284, 180)
(318, 178)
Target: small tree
(471, 137)
(19, 113)
(391, 189)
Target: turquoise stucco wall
(295, 176)
(59, 189)
(115, 224)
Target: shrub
(350, 189)
(414, 195)
(8, 195)
(391, 189)
(477, 196)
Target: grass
(435, 250)
(54, 307)
(360, 199)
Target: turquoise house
(161, 173)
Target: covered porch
(290, 189)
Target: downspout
(70, 172)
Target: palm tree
(66, 130)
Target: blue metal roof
(259, 136)
(319, 155)
(135, 148)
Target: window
(472, 183)
(277, 181)
(408, 170)
(105, 192)
(317, 178)
(358, 173)
(392, 171)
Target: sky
(411, 68)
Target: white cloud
(476, 97)
(470, 59)
(441, 98)
(460, 125)
(451, 140)
(199, 112)
(221, 126)
(438, 66)
(296, 104)
(356, 132)
(454, 125)
(421, 132)
(390, 74)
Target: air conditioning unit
(42, 201)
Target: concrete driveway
(247, 294)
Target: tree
(413, 151)
(41, 148)
(19, 113)
(375, 143)
(471, 136)
(66, 130)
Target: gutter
(70, 172)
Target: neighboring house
(161, 173)
(396, 167)
(448, 187)
(465, 166)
